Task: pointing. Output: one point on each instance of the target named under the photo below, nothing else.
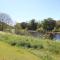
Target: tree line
(48, 24)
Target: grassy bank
(8, 52)
(40, 49)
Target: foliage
(57, 29)
(48, 24)
(32, 25)
(42, 48)
(23, 25)
(8, 52)
(5, 20)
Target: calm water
(57, 36)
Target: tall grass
(43, 48)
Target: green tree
(48, 24)
(57, 29)
(32, 25)
(23, 25)
(40, 28)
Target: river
(57, 37)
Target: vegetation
(8, 52)
(42, 49)
(5, 22)
(46, 25)
(26, 47)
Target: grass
(8, 52)
(16, 47)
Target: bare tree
(5, 19)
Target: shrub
(35, 46)
(38, 46)
(24, 44)
(28, 45)
(21, 43)
(13, 43)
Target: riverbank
(42, 49)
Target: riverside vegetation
(16, 42)
(16, 47)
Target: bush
(35, 46)
(24, 44)
(13, 43)
(29, 45)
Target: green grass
(8, 52)
(16, 47)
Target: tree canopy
(49, 24)
(4, 21)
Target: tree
(58, 24)
(57, 29)
(40, 28)
(32, 25)
(48, 24)
(4, 20)
(23, 25)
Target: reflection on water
(57, 36)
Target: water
(57, 37)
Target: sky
(25, 10)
